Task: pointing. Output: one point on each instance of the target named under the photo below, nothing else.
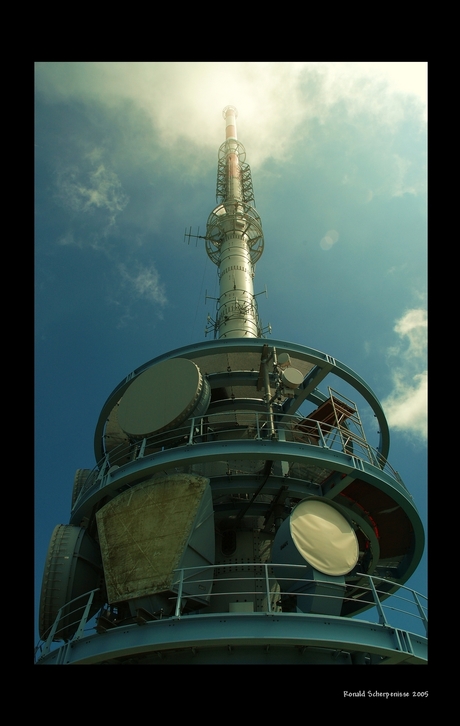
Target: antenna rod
(230, 113)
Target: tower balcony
(397, 634)
(243, 443)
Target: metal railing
(406, 601)
(244, 425)
(409, 606)
(67, 621)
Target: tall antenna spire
(234, 239)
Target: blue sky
(126, 159)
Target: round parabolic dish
(292, 378)
(162, 397)
(324, 538)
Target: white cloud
(403, 77)
(92, 186)
(144, 283)
(406, 406)
(413, 325)
(184, 100)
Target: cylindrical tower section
(234, 241)
(237, 316)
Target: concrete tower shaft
(234, 239)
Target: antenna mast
(234, 239)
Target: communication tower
(220, 523)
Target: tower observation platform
(221, 523)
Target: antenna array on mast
(234, 239)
